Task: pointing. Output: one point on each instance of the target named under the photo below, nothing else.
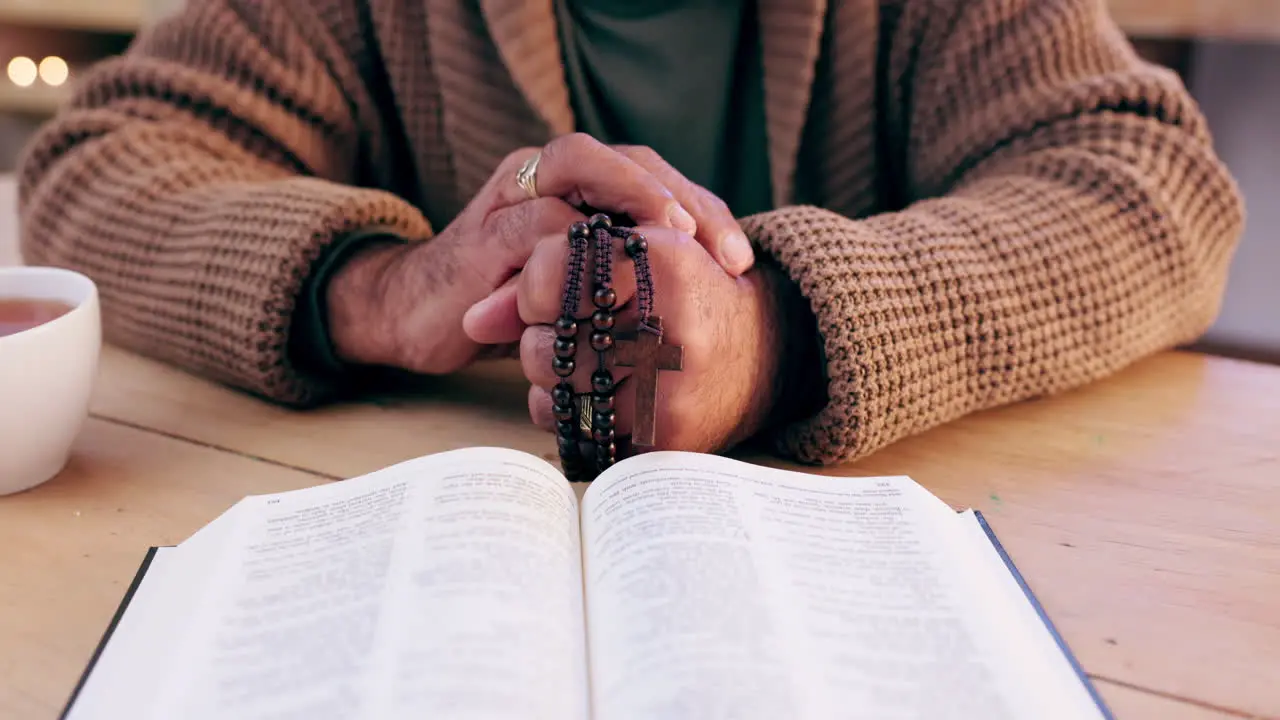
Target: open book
(473, 584)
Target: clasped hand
(494, 277)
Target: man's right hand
(402, 306)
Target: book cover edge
(1044, 617)
(111, 628)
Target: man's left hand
(732, 331)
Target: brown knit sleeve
(197, 178)
(1063, 215)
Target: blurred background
(1227, 51)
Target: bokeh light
(22, 71)
(54, 70)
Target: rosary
(585, 423)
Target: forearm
(207, 273)
(198, 203)
(1044, 275)
(1062, 217)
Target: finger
(508, 235)
(541, 409)
(511, 233)
(542, 412)
(540, 300)
(718, 230)
(495, 320)
(537, 353)
(581, 167)
(508, 229)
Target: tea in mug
(18, 314)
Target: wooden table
(1144, 510)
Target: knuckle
(535, 356)
(490, 223)
(570, 144)
(516, 229)
(501, 230)
(716, 202)
(642, 155)
(531, 351)
(648, 155)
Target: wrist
(354, 303)
(798, 387)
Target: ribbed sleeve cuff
(219, 297)
(850, 281)
(800, 239)
(290, 230)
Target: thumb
(495, 320)
(718, 231)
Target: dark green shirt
(683, 77)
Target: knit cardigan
(982, 201)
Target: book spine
(106, 636)
(1044, 617)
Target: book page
(123, 677)
(140, 650)
(445, 587)
(720, 589)
(1023, 631)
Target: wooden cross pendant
(643, 350)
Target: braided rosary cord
(585, 424)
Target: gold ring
(527, 176)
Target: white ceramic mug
(47, 374)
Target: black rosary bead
(600, 221)
(565, 347)
(602, 401)
(562, 394)
(605, 298)
(563, 367)
(601, 340)
(583, 457)
(636, 244)
(602, 320)
(566, 327)
(577, 462)
(567, 428)
(567, 444)
(602, 382)
(575, 465)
